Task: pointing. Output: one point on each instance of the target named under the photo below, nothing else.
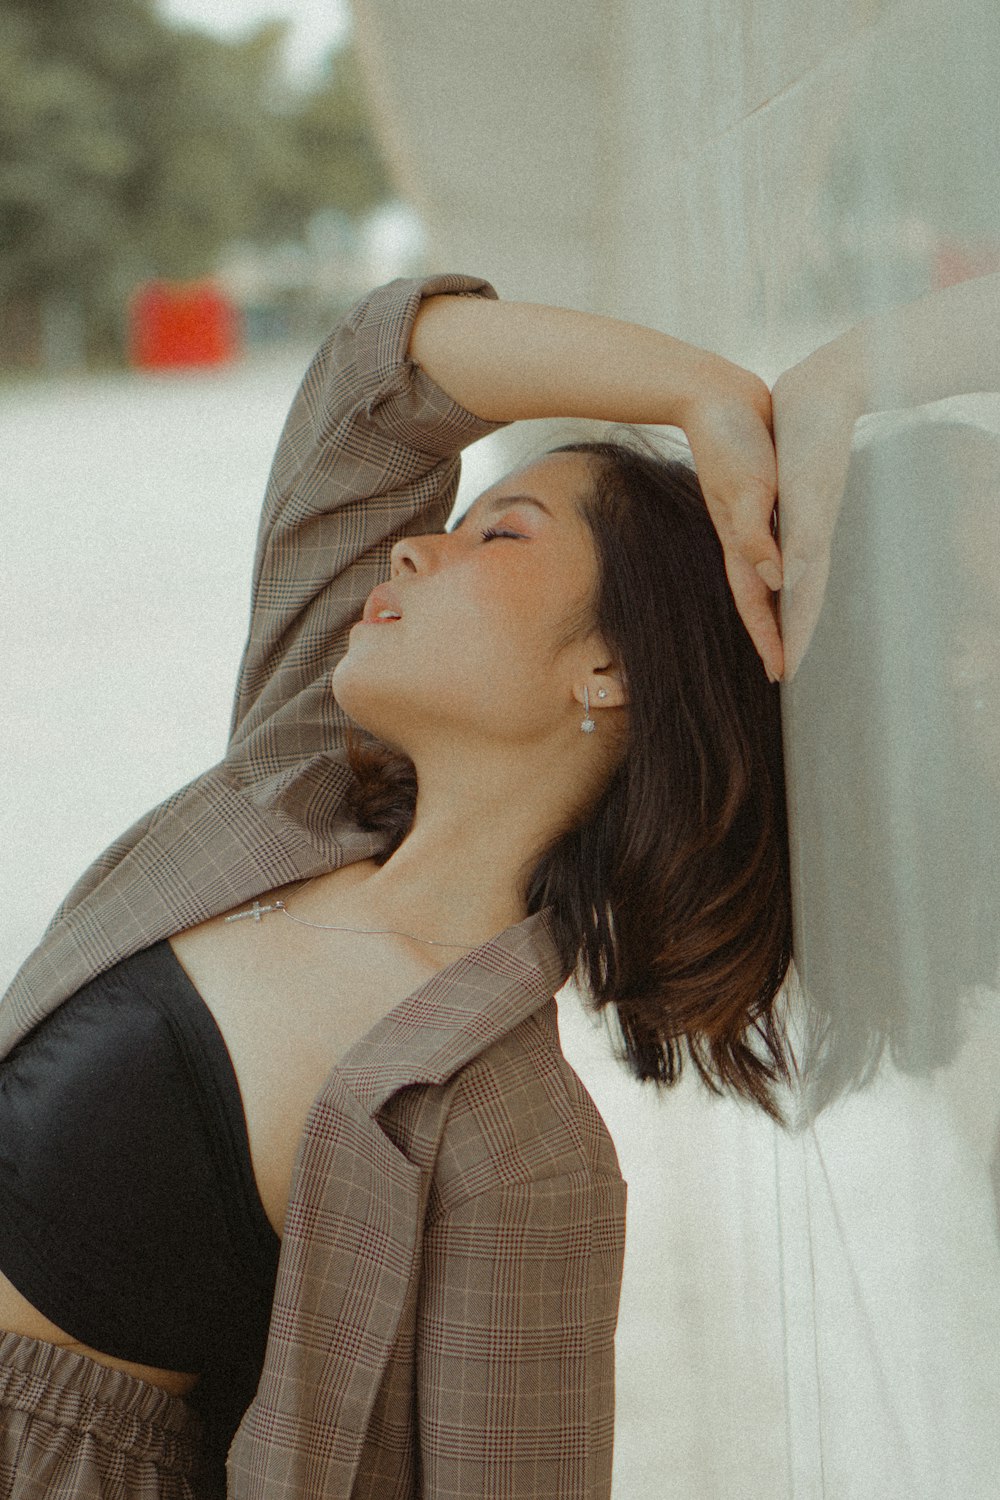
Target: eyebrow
(502, 502)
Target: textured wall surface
(811, 188)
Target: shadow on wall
(894, 762)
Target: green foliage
(129, 148)
(336, 145)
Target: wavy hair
(671, 894)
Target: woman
(562, 686)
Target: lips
(381, 606)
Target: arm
(508, 360)
(938, 346)
(368, 453)
(515, 1341)
(943, 344)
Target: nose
(413, 554)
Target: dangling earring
(588, 726)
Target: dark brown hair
(671, 898)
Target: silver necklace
(257, 911)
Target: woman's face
(479, 650)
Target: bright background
(810, 1314)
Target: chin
(361, 691)
(349, 687)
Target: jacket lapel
(457, 1013)
(347, 1264)
(355, 1220)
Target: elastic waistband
(72, 1391)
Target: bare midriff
(17, 1315)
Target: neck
(477, 832)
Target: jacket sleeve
(368, 453)
(515, 1356)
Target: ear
(605, 685)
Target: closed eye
(489, 532)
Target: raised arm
(511, 360)
(942, 344)
(368, 453)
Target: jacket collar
(459, 1012)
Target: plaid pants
(72, 1429)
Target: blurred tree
(130, 149)
(332, 129)
(63, 161)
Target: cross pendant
(256, 911)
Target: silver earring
(588, 726)
(602, 692)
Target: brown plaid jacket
(447, 1293)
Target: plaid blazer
(447, 1292)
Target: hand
(729, 429)
(509, 361)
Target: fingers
(749, 526)
(754, 569)
(734, 455)
(756, 606)
(802, 603)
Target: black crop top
(129, 1213)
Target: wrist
(714, 379)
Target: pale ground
(121, 639)
(786, 1299)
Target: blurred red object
(176, 325)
